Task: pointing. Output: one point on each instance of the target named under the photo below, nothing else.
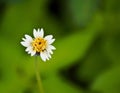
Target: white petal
(35, 33)
(51, 47)
(23, 39)
(42, 32)
(25, 44)
(49, 55)
(29, 38)
(46, 53)
(33, 53)
(43, 56)
(49, 50)
(48, 37)
(28, 49)
(26, 41)
(29, 52)
(51, 41)
(38, 33)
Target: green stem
(38, 76)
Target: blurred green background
(87, 33)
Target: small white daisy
(39, 44)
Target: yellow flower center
(39, 44)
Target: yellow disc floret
(39, 44)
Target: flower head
(39, 45)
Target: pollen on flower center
(39, 44)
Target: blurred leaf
(59, 85)
(108, 82)
(94, 63)
(82, 10)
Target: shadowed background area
(87, 33)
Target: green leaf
(108, 82)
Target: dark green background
(87, 33)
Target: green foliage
(87, 37)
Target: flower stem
(38, 76)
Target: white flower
(39, 44)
